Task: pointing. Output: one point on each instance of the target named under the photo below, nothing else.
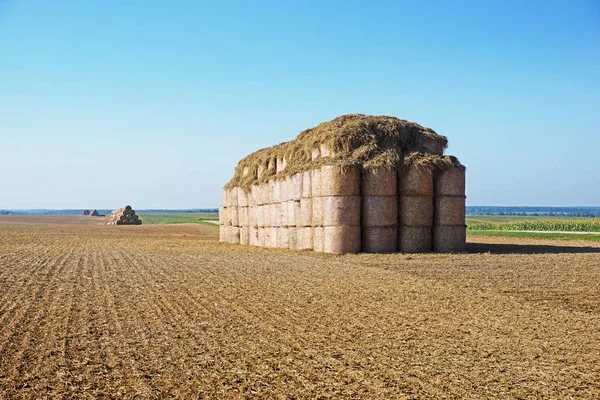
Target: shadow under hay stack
(357, 183)
(123, 216)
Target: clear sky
(152, 103)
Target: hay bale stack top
(344, 174)
(350, 140)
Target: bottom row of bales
(345, 210)
(345, 239)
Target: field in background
(538, 235)
(178, 217)
(164, 311)
(533, 227)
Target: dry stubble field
(90, 311)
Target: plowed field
(90, 311)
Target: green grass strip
(536, 235)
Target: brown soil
(163, 311)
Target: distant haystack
(85, 212)
(94, 213)
(123, 216)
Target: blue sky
(152, 103)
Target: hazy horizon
(153, 104)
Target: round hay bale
(260, 216)
(315, 153)
(379, 182)
(305, 212)
(281, 214)
(272, 237)
(252, 217)
(261, 237)
(341, 210)
(317, 211)
(338, 181)
(379, 239)
(450, 182)
(260, 170)
(342, 239)
(379, 211)
(253, 197)
(297, 213)
(414, 239)
(258, 196)
(449, 239)
(281, 164)
(228, 221)
(416, 181)
(294, 189)
(234, 234)
(233, 197)
(234, 215)
(325, 150)
(242, 198)
(245, 235)
(306, 189)
(432, 146)
(318, 239)
(293, 215)
(283, 188)
(449, 210)
(222, 229)
(253, 236)
(315, 185)
(416, 210)
(292, 238)
(222, 211)
(282, 238)
(244, 220)
(305, 238)
(271, 189)
(127, 208)
(276, 191)
(271, 215)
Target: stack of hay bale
(356, 183)
(85, 212)
(123, 216)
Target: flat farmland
(164, 311)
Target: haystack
(127, 216)
(85, 212)
(356, 183)
(94, 213)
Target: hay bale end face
(356, 183)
